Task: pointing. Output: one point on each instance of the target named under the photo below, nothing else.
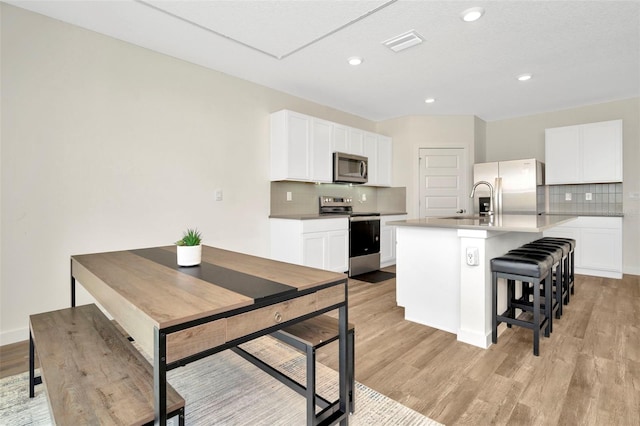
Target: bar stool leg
(536, 319)
(494, 307)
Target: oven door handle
(364, 218)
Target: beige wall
(108, 146)
(523, 137)
(414, 132)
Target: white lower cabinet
(318, 243)
(598, 244)
(388, 240)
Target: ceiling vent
(403, 41)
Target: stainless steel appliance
(518, 186)
(364, 233)
(349, 168)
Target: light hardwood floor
(588, 371)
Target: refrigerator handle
(498, 195)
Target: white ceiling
(579, 52)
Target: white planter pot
(189, 255)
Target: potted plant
(189, 248)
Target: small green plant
(191, 237)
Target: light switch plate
(588, 196)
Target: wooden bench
(91, 372)
(308, 336)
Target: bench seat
(308, 336)
(91, 372)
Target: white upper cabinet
(377, 148)
(340, 138)
(321, 143)
(370, 150)
(587, 153)
(356, 142)
(385, 160)
(302, 149)
(602, 152)
(290, 146)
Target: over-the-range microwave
(349, 168)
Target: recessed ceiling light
(429, 100)
(472, 14)
(355, 60)
(524, 77)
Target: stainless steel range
(364, 233)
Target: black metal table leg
(160, 377)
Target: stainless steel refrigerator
(518, 184)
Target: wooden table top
(151, 281)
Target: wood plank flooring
(588, 371)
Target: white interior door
(443, 182)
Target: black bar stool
(571, 271)
(531, 268)
(559, 271)
(566, 256)
(556, 287)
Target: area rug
(374, 277)
(224, 389)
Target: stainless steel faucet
(491, 194)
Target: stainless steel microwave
(349, 168)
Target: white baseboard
(13, 336)
(632, 270)
(598, 273)
(474, 338)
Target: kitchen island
(443, 273)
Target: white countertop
(501, 223)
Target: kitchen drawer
(194, 340)
(331, 296)
(253, 321)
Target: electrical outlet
(364, 197)
(289, 196)
(567, 196)
(588, 196)
(472, 256)
(218, 194)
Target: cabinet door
(371, 152)
(602, 151)
(314, 247)
(356, 142)
(387, 244)
(299, 147)
(601, 249)
(321, 158)
(337, 251)
(385, 160)
(340, 138)
(562, 155)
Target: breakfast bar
(443, 275)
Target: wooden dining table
(178, 315)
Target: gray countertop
(501, 223)
(311, 216)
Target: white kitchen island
(436, 284)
